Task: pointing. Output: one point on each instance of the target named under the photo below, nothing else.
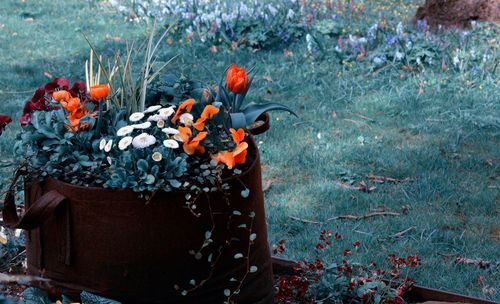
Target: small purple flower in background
(422, 25)
(285, 36)
(400, 29)
(390, 41)
(372, 32)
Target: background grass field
(430, 126)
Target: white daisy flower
(152, 109)
(143, 125)
(125, 130)
(186, 119)
(143, 140)
(102, 144)
(160, 123)
(108, 146)
(124, 142)
(170, 131)
(155, 117)
(170, 143)
(157, 156)
(136, 116)
(165, 113)
(110, 161)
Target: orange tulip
(61, 96)
(238, 135)
(99, 92)
(186, 106)
(237, 80)
(208, 113)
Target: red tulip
(237, 80)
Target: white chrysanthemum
(142, 126)
(152, 109)
(155, 117)
(143, 140)
(160, 123)
(125, 130)
(170, 143)
(170, 131)
(124, 142)
(157, 156)
(165, 113)
(136, 116)
(108, 146)
(186, 119)
(102, 144)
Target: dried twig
(401, 233)
(361, 217)
(17, 279)
(361, 186)
(304, 220)
(383, 179)
(477, 262)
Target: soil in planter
(458, 13)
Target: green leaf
(142, 165)
(252, 112)
(36, 296)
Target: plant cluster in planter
(154, 135)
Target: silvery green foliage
(51, 150)
(89, 298)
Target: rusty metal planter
(111, 243)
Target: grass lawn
(436, 128)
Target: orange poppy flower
(230, 159)
(192, 146)
(185, 106)
(61, 96)
(238, 135)
(72, 104)
(99, 92)
(208, 113)
(236, 80)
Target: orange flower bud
(61, 96)
(237, 80)
(99, 92)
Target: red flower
(4, 120)
(57, 84)
(357, 244)
(347, 252)
(25, 120)
(237, 80)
